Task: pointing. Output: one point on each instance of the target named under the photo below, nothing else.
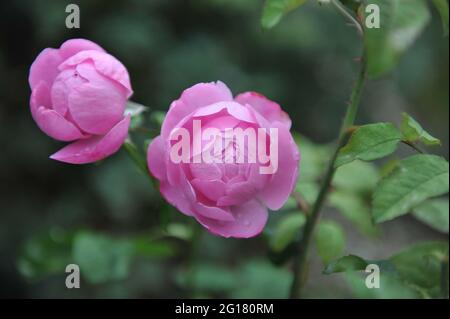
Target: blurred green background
(103, 213)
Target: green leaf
(134, 109)
(401, 22)
(314, 158)
(286, 231)
(330, 240)
(259, 279)
(442, 7)
(180, 231)
(46, 254)
(344, 264)
(208, 278)
(353, 207)
(419, 265)
(391, 287)
(144, 246)
(415, 179)
(274, 10)
(389, 167)
(416, 270)
(370, 142)
(357, 177)
(308, 190)
(413, 132)
(102, 258)
(434, 213)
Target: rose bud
(79, 93)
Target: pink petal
(221, 123)
(73, 46)
(251, 217)
(203, 94)
(56, 126)
(45, 67)
(176, 198)
(258, 180)
(40, 96)
(237, 193)
(215, 213)
(267, 108)
(234, 109)
(95, 148)
(278, 189)
(199, 95)
(61, 88)
(105, 64)
(156, 158)
(48, 120)
(206, 171)
(212, 189)
(96, 106)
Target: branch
(300, 262)
(353, 21)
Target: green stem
(300, 261)
(342, 10)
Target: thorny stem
(300, 261)
(302, 204)
(342, 10)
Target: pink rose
(228, 197)
(79, 93)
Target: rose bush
(229, 199)
(79, 94)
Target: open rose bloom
(79, 94)
(229, 197)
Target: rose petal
(40, 96)
(56, 126)
(203, 94)
(199, 95)
(176, 198)
(237, 193)
(156, 158)
(278, 189)
(206, 171)
(267, 108)
(212, 189)
(215, 213)
(251, 217)
(48, 120)
(45, 67)
(234, 109)
(96, 106)
(73, 46)
(105, 64)
(61, 88)
(95, 148)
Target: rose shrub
(79, 94)
(229, 199)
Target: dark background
(307, 64)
